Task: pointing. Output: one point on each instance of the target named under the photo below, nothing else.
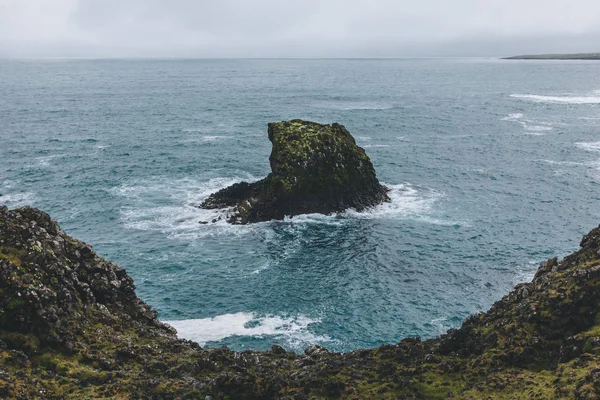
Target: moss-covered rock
(71, 326)
(314, 169)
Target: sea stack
(315, 168)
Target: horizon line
(237, 58)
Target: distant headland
(579, 56)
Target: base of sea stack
(71, 326)
(315, 168)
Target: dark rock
(314, 169)
(277, 349)
(315, 351)
(71, 326)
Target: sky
(296, 28)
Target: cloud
(288, 28)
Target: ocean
(493, 165)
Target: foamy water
(17, 199)
(531, 127)
(558, 99)
(293, 331)
(472, 199)
(181, 218)
(173, 208)
(589, 146)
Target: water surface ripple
(494, 167)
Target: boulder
(315, 168)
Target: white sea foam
(526, 274)
(172, 207)
(10, 198)
(407, 201)
(215, 138)
(44, 161)
(531, 127)
(441, 325)
(538, 128)
(8, 184)
(207, 138)
(293, 331)
(512, 117)
(558, 99)
(589, 146)
(16, 199)
(573, 163)
(322, 219)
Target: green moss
(28, 343)
(12, 255)
(436, 386)
(15, 303)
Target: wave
(407, 201)
(538, 128)
(214, 138)
(572, 163)
(171, 207)
(293, 331)
(558, 99)
(17, 199)
(541, 129)
(512, 117)
(589, 146)
(369, 146)
(45, 161)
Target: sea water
(493, 166)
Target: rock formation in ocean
(314, 169)
(71, 326)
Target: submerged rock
(314, 169)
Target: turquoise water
(494, 166)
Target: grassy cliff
(71, 326)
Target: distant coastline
(579, 56)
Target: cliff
(314, 169)
(579, 56)
(71, 326)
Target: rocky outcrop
(71, 326)
(314, 169)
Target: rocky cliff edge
(71, 326)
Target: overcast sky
(296, 28)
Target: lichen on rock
(315, 168)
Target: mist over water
(493, 167)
